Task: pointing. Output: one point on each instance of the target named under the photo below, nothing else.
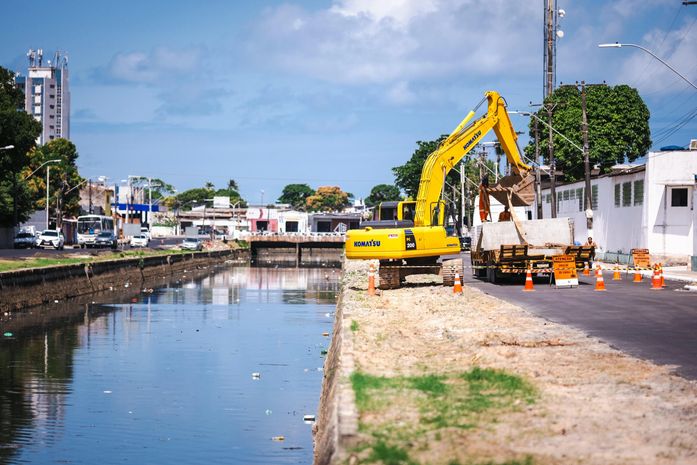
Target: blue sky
(327, 92)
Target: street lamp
(7, 147)
(619, 45)
(48, 174)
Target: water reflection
(167, 378)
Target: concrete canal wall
(24, 288)
(337, 420)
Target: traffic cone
(599, 281)
(637, 276)
(660, 270)
(656, 280)
(617, 276)
(457, 286)
(586, 270)
(371, 280)
(528, 282)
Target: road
(28, 253)
(660, 326)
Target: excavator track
(393, 272)
(450, 267)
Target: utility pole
(463, 203)
(550, 46)
(588, 199)
(552, 163)
(538, 180)
(90, 194)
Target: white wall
(496, 207)
(670, 229)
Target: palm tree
(209, 186)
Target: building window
(639, 192)
(626, 194)
(565, 195)
(678, 197)
(617, 195)
(579, 196)
(594, 197)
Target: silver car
(24, 240)
(192, 243)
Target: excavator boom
(439, 163)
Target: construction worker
(484, 200)
(505, 215)
(590, 242)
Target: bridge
(296, 248)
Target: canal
(217, 369)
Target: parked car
(192, 243)
(139, 241)
(145, 232)
(106, 239)
(24, 240)
(51, 238)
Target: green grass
(464, 401)
(354, 326)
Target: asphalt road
(28, 253)
(660, 326)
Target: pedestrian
(590, 243)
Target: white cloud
(147, 67)
(400, 93)
(364, 42)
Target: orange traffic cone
(528, 282)
(617, 276)
(599, 281)
(656, 280)
(586, 270)
(637, 276)
(457, 285)
(660, 270)
(371, 280)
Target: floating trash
(107, 392)
(7, 334)
(55, 301)
(256, 375)
(268, 412)
(324, 352)
(309, 418)
(278, 438)
(325, 334)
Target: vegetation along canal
(217, 369)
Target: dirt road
(446, 379)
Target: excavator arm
(516, 189)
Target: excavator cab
(392, 215)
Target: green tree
(296, 195)
(191, 197)
(65, 179)
(618, 128)
(19, 129)
(232, 185)
(327, 199)
(382, 193)
(160, 189)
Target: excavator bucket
(521, 189)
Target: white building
(648, 206)
(47, 94)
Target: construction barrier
(371, 280)
(457, 285)
(599, 281)
(528, 282)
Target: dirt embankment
(469, 379)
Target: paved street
(656, 325)
(27, 253)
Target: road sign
(641, 258)
(565, 271)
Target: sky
(332, 92)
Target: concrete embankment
(24, 288)
(422, 375)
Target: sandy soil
(595, 405)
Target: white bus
(88, 226)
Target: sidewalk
(672, 273)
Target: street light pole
(619, 45)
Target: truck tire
(491, 274)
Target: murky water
(169, 378)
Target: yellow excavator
(409, 237)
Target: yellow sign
(565, 270)
(641, 258)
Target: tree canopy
(382, 193)
(19, 129)
(296, 195)
(65, 179)
(200, 195)
(327, 199)
(618, 128)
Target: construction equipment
(409, 237)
